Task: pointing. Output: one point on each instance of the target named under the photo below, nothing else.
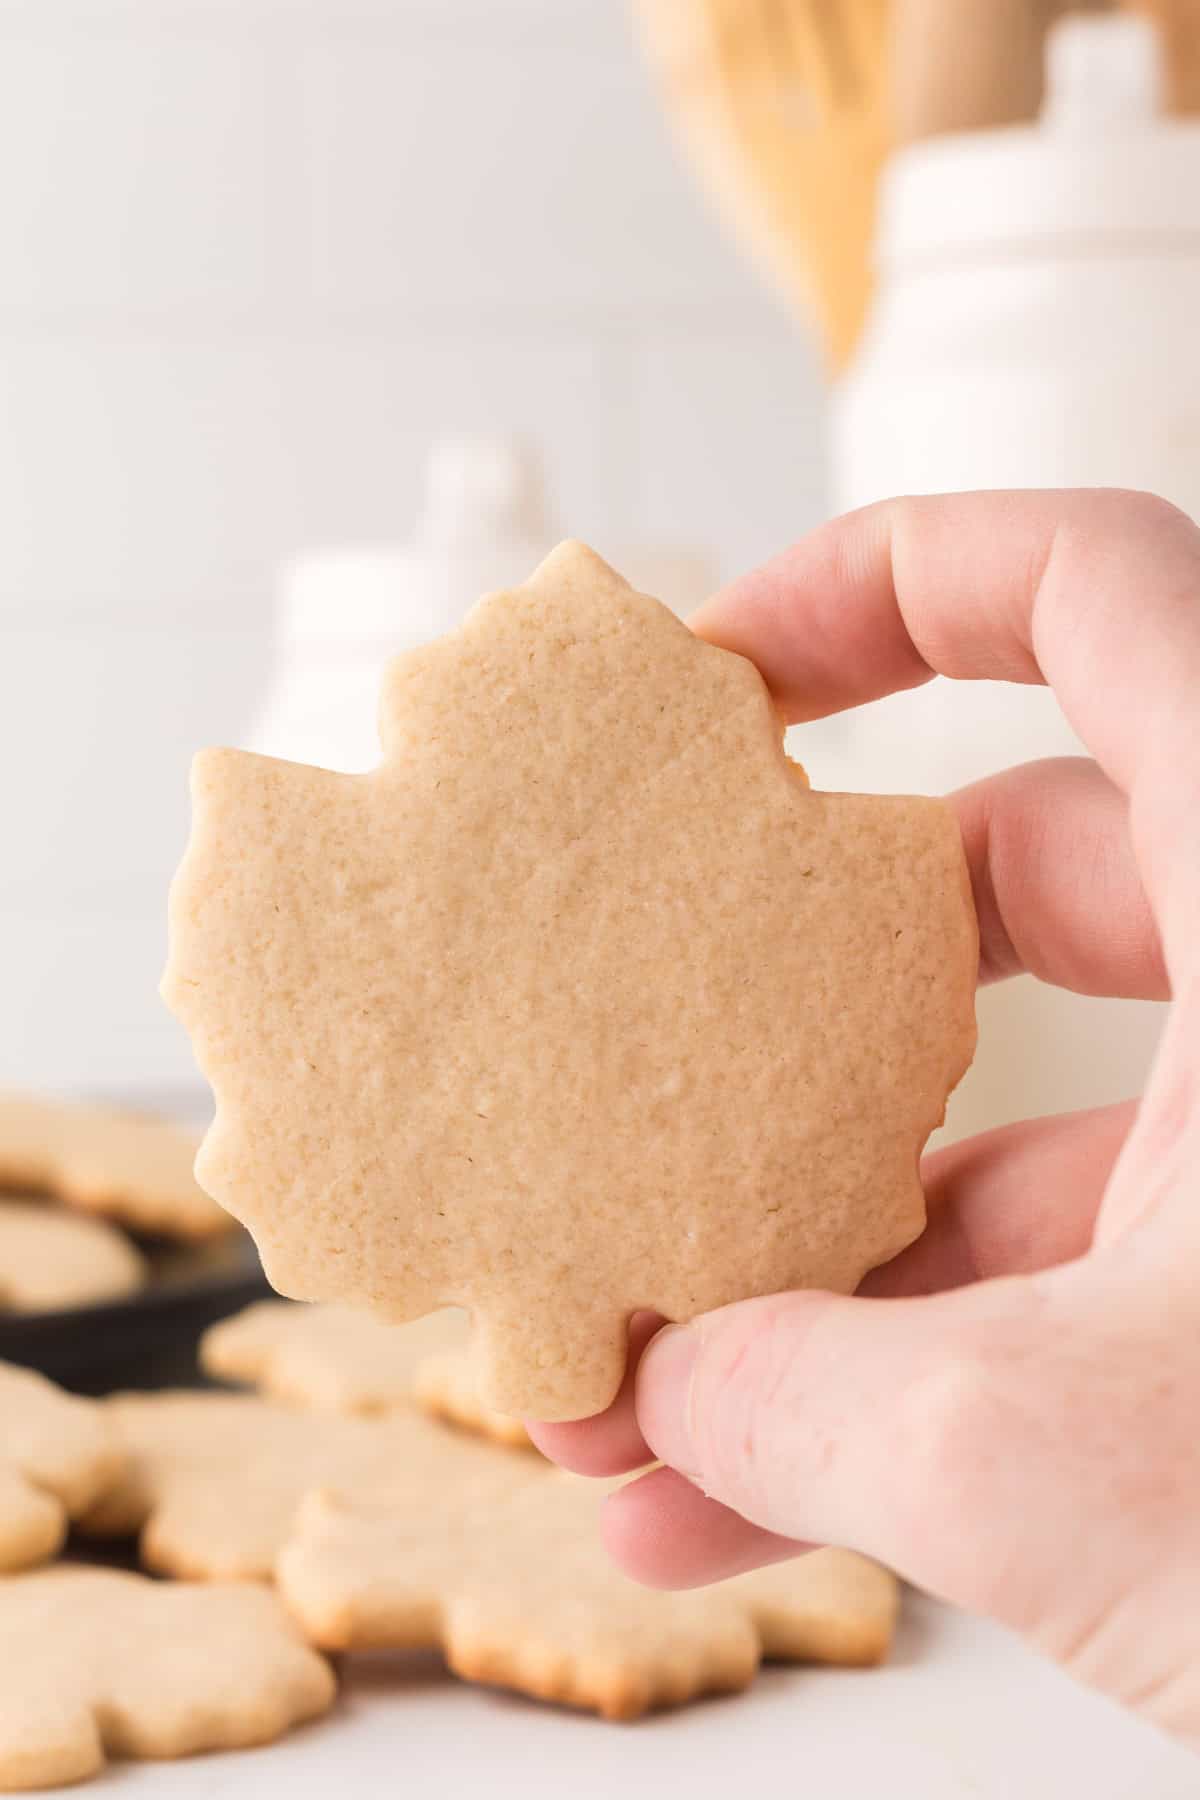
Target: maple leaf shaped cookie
(581, 1002)
(212, 1481)
(337, 1359)
(516, 1589)
(101, 1663)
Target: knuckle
(1149, 513)
(941, 1418)
(748, 1417)
(952, 1429)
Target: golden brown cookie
(213, 1481)
(333, 1359)
(581, 1002)
(52, 1258)
(101, 1663)
(517, 1590)
(58, 1455)
(133, 1169)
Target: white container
(1038, 310)
(343, 613)
(1037, 325)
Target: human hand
(1009, 1413)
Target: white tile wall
(254, 255)
(136, 171)
(729, 435)
(163, 476)
(548, 185)
(146, 477)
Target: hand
(1009, 1413)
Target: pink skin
(1009, 1413)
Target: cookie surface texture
(101, 1663)
(581, 1002)
(335, 1359)
(58, 1456)
(213, 1481)
(102, 1160)
(51, 1258)
(522, 1594)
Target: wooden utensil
(783, 104)
(790, 106)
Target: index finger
(1095, 591)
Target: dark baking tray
(148, 1340)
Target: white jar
(1037, 325)
(1038, 311)
(342, 614)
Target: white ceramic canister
(1037, 325)
(343, 613)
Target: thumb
(894, 1427)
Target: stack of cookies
(101, 1662)
(328, 1510)
(80, 1186)
(583, 1002)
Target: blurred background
(320, 317)
(612, 271)
(258, 257)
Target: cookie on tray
(100, 1159)
(334, 1359)
(52, 1258)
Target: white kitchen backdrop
(254, 256)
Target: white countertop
(961, 1712)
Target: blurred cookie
(212, 1481)
(102, 1160)
(58, 1455)
(51, 1258)
(334, 1359)
(516, 1589)
(448, 1384)
(98, 1663)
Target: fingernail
(664, 1397)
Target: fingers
(1095, 591)
(1154, 1180)
(1009, 1202)
(666, 1533)
(1023, 1449)
(867, 1423)
(611, 1442)
(1090, 589)
(1055, 881)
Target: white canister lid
(1102, 166)
(482, 522)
